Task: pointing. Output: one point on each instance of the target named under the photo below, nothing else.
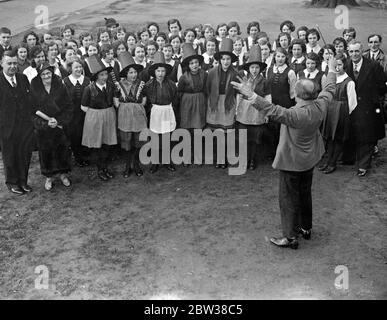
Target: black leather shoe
(218, 166)
(322, 167)
(347, 163)
(26, 188)
(285, 242)
(252, 165)
(138, 171)
(108, 174)
(154, 168)
(361, 172)
(127, 173)
(306, 234)
(171, 167)
(16, 190)
(224, 165)
(101, 174)
(329, 170)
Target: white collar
(359, 64)
(280, 69)
(9, 79)
(374, 53)
(111, 64)
(74, 81)
(341, 78)
(298, 60)
(99, 86)
(312, 74)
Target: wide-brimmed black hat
(189, 53)
(96, 66)
(45, 66)
(226, 47)
(126, 61)
(255, 57)
(159, 61)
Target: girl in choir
(208, 56)
(121, 33)
(37, 58)
(208, 31)
(247, 116)
(161, 40)
(85, 38)
(53, 112)
(301, 32)
(325, 53)
(132, 117)
(221, 32)
(176, 69)
(267, 55)
(103, 36)
(161, 93)
(76, 83)
(312, 38)
(174, 28)
(143, 35)
(119, 46)
(176, 43)
(91, 49)
(30, 39)
(239, 51)
(287, 27)
(22, 61)
(337, 123)
(340, 46)
(312, 72)
(67, 32)
(221, 95)
(151, 48)
(107, 58)
(191, 90)
(68, 56)
(99, 130)
(283, 41)
(154, 29)
(298, 52)
(131, 41)
(252, 30)
(189, 37)
(233, 30)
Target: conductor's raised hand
(243, 87)
(332, 64)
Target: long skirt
(54, 151)
(131, 117)
(193, 111)
(99, 128)
(337, 122)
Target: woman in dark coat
(53, 112)
(76, 83)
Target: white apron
(162, 119)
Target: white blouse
(351, 92)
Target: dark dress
(75, 128)
(193, 106)
(279, 87)
(53, 144)
(317, 79)
(297, 67)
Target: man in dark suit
(5, 40)
(367, 123)
(16, 129)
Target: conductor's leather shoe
(306, 234)
(108, 174)
(26, 188)
(322, 167)
(361, 172)
(252, 165)
(16, 190)
(329, 170)
(285, 242)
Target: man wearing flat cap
(300, 148)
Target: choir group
(80, 96)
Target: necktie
(13, 83)
(78, 90)
(211, 61)
(355, 71)
(308, 76)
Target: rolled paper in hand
(45, 117)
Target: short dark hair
(341, 57)
(103, 30)
(340, 40)
(374, 35)
(141, 31)
(328, 46)
(289, 24)
(266, 43)
(234, 24)
(350, 30)
(116, 44)
(9, 53)
(130, 34)
(299, 42)
(67, 27)
(153, 24)
(302, 28)
(253, 24)
(92, 44)
(105, 48)
(220, 25)
(83, 35)
(152, 43)
(189, 30)
(172, 21)
(313, 56)
(5, 30)
(162, 35)
(175, 36)
(28, 34)
(211, 39)
(77, 59)
(63, 53)
(312, 31)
